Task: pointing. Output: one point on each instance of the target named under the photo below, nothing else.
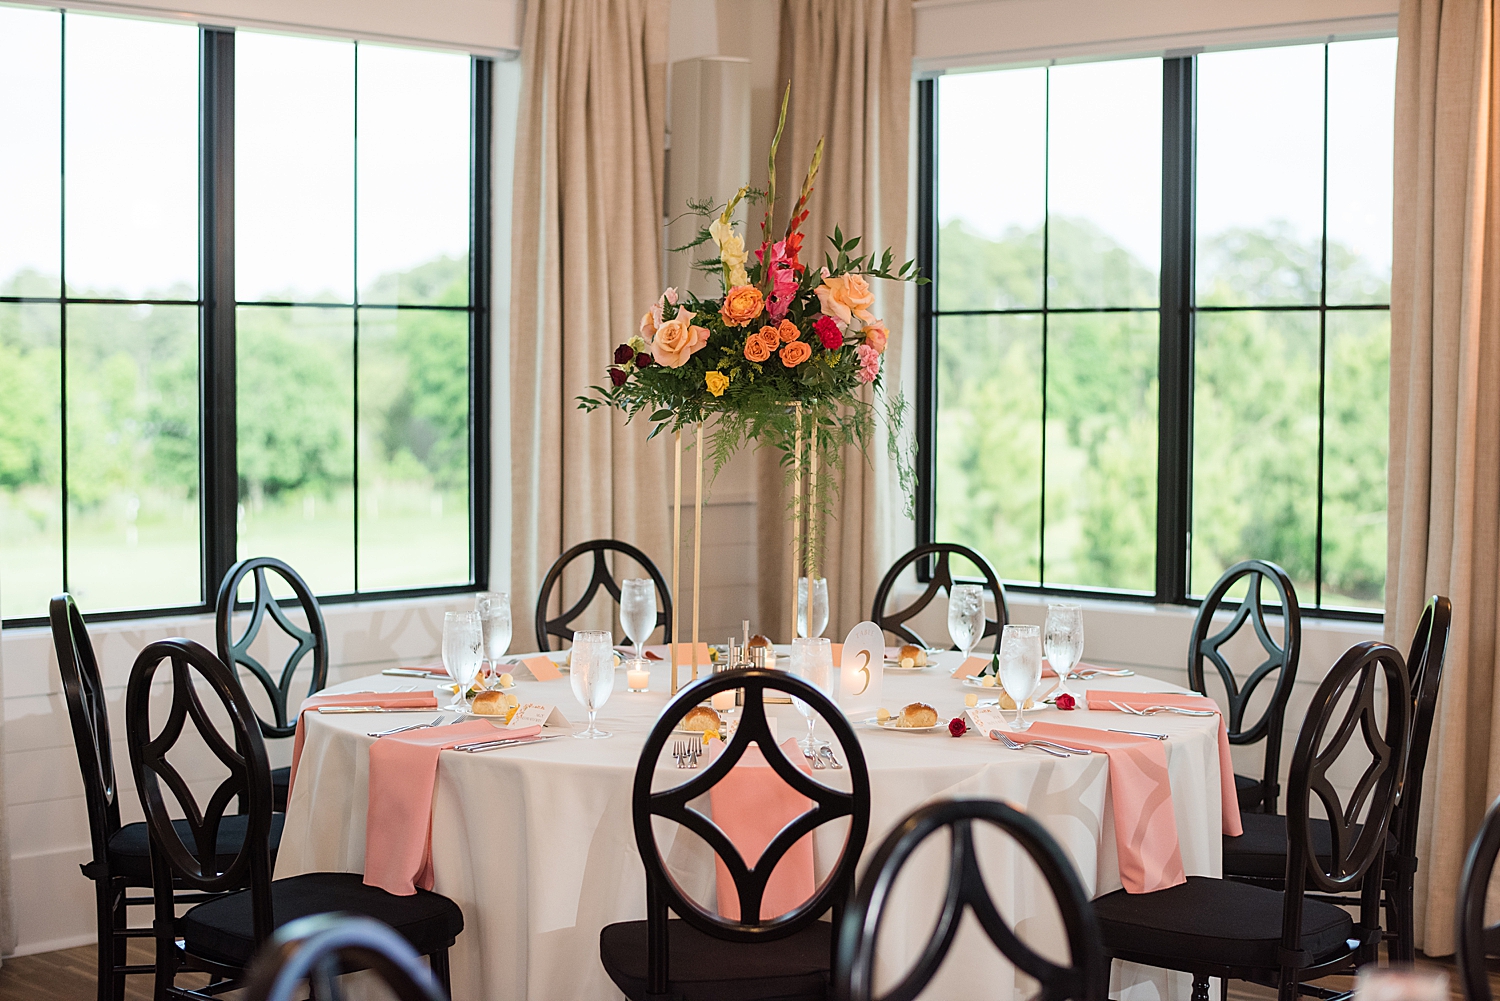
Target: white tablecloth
(535, 843)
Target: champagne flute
(593, 675)
(1020, 667)
(1063, 639)
(638, 613)
(819, 606)
(493, 609)
(812, 661)
(463, 651)
(966, 616)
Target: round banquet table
(535, 843)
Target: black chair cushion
(281, 778)
(703, 968)
(1215, 922)
(1261, 851)
(130, 847)
(222, 931)
(1247, 790)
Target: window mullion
(481, 107)
(926, 339)
(1175, 415)
(219, 474)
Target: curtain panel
(849, 64)
(586, 262)
(1444, 504)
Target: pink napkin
(1101, 699)
(1145, 826)
(751, 805)
(398, 822)
(385, 700)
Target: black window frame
(1178, 313)
(218, 494)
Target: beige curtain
(1445, 413)
(586, 263)
(7, 932)
(849, 63)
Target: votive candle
(638, 679)
(723, 700)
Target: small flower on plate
(957, 727)
(1066, 701)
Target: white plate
(895, 665)
(872, 721)
(976, 683)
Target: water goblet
(812, 661)
(493, 609)
(1020, 667)
(638, 613)
(592, 675)
(819, 606)
(966, 617)
(463, 651)
(1063, 639)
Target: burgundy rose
(829, 333)
(618, 376)
(643, 360)
(623, 354)
(957, 727)
(1066, 701)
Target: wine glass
(812, 661)
(463, 651)
(638, 613)
(819, 606)
(1063, 638)
(592, 675)
(966, 616)
(493, 609)
(1020, 667)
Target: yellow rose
(717, 382)
(742, 304)
(677, 339)
(845, 297)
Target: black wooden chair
(941, 579)
(1476, 940)
(701, 956)
(1282, 938)
(121, 853)
(236, 652)
(1259, 794)
(600, 548)
(316, 950)
(1086, 978)
(219, 937)
(1259, 855)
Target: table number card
(536, 714)
(862, 669)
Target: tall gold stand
(676, 637)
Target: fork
(1100, 672)
(678, 751)
(1153, 710)
(1017, 746)
(439, 721)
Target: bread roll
(1006, 702)
(495, 704)
(701, 719)
(913, 653)
(917, 715)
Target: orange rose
(788, 331)
(756, 349)
(877, 334)
(845, 297)
(769, 335)
(677, 339)
(795, 353)
(742, 304)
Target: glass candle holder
(637, 680)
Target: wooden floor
(68, 975)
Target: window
(329, 410)
(1126, 249)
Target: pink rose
(653, 316)
(677, 340)
(869, 363)
(845, 298)
(876, 335)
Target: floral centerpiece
(781, 356)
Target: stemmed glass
(592, 675)
(493, 609)
(1020, 667)
(463, 651)
(966, 616)
(1063, 638)
(819, 606)
(812, 661)
(638, 613)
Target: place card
(862, 671)
(702, 651)
(542, 668)
(971, 667)
(987, 718)
(536, 714)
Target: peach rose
(677, 339)
(877, 334)
(788, 331)
(846, 297)
(742, 304)
(756, 348)
(653, 316)
(795, 353)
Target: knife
(491, 745)
(1140, 733)
(375, 709)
